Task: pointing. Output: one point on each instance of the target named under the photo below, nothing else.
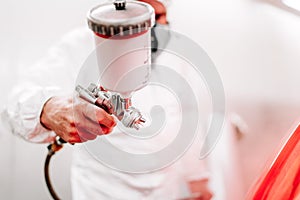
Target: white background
(254, 44)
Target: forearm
(22, 114)
(53, 75)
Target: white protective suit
(56, 75)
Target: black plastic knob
(120, 4)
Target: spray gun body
(114, 104)
(122, 33)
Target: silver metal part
(122, 108)
(132, 118)
(86, 94)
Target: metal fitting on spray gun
(114, 104)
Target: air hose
(52, 149)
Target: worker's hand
(200, 190)
(75, 122)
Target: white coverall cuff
(23, 116)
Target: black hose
(51, 152)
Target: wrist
(43, 116)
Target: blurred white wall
(254, 44)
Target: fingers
(79, 135)
(70, 135)
(106, 130)
(98, 115)
(106, 105)
(105, 119)
(76, 122)
(82, 122)
(90, 122)
(85, 135)
(81, 131)
(92, 126)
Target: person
(42, 108)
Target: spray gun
(114, 104)
(122, 33)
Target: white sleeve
(53, 75)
